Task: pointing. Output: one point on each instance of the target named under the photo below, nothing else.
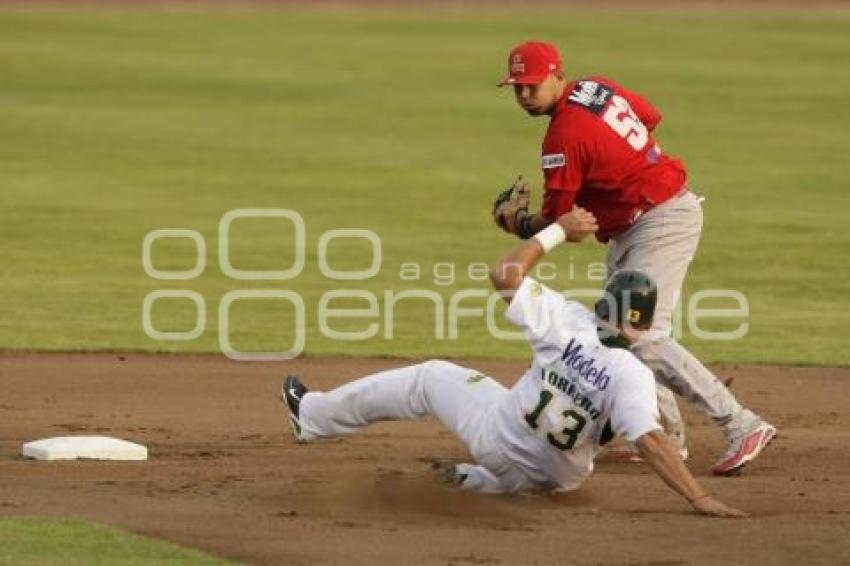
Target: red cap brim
(524, 80)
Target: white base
(90, 447)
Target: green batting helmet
(629, 299)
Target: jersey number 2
(622, 120)
(571, 424)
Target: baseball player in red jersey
(599, 153)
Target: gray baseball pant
(662, 243)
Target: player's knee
(650, 341)
(662, 326)
(652, 349)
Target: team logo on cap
(517, 66)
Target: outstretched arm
(508, 273)
(658, 451)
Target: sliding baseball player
(583, 388)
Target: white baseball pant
(462, 399)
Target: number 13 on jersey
(567, 427)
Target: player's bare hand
(578, 224)
(714, 508)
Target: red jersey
(599, 154)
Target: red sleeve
(556, 203)
(562, 173)
(648, 114)
(564, 164)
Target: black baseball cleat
(291, 393)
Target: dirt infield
(226, 476)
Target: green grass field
(116, 123)
(30, 542)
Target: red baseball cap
(531, 62)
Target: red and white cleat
(744, 449)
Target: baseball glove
(509, 204)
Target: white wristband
(551, 236)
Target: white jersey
(576, 395)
